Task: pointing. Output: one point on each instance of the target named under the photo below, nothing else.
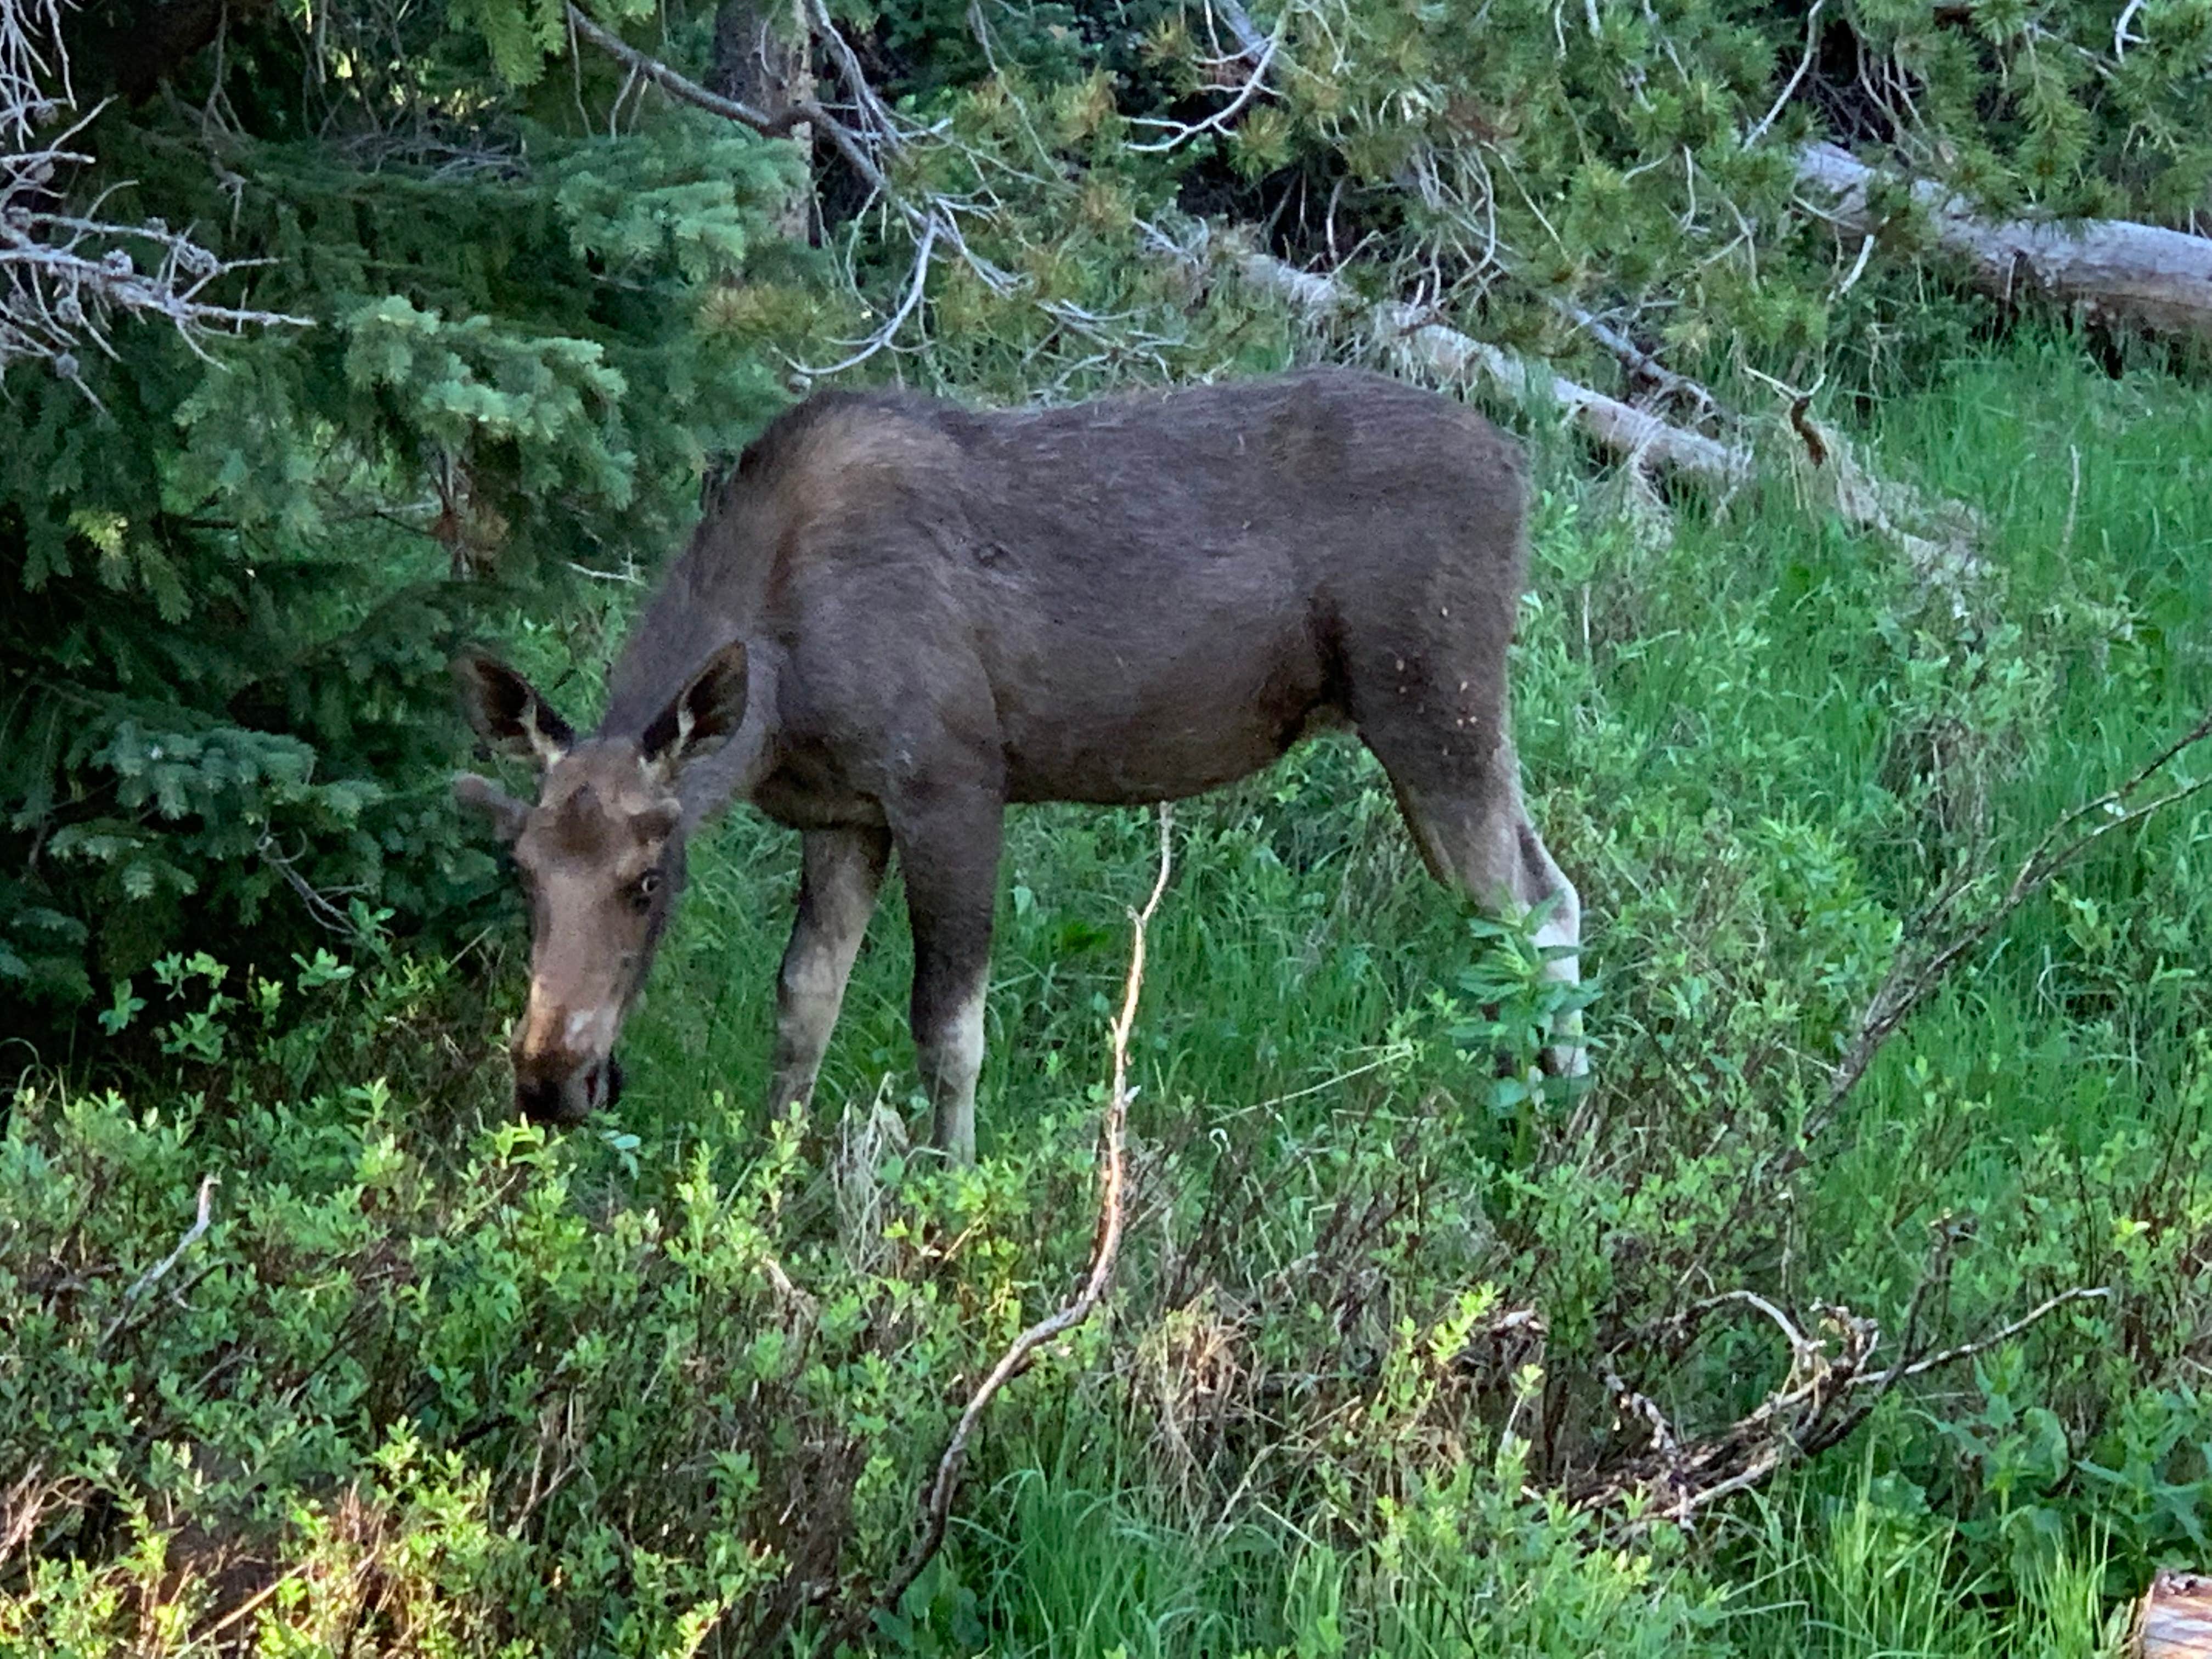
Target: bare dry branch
(154, 1274)
(1982, 1345)
(1789, 89)
(1641, 363)
(1822, 1398)
(1105, 1250)
(1179, 133)
(64, 277)
(917, 283)
(677, 85)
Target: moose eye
(646, 885)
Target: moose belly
(1114, 729)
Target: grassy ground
(1759, 744)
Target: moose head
(600, 856)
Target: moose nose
(565, 1098)
(558, 1079)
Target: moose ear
(506, 711)
(703, 715)
(507, 815)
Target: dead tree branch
(1417, 342)
(1105, 1250)
(1179, 133)
(64, 277)
(1823, 1398)
(1641, 364)
(680, 86)
(1435, 350)
(2142, 275)
(154, 1274)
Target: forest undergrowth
(310, 1348)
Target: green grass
(1759, 690)
(1759, 743)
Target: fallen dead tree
(1937, 538)
(2112, 269)
(1433, 350)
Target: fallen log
(2112, 269)
(1937, 538)
(1435, 350)
(2174, 1620)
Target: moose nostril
(539, 1101)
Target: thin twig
(1983, 1345)
(916, 283)
(1789, 89)
(154, 1274)
(1182, 132)
(2121, 38)
(1106, 1245)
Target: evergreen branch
(1180, 133)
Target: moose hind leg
(1474, 833)
(951, 865)
(1560, 937)
(841, 871)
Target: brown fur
(940, 612)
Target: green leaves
(470, 383)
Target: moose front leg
(841, 871)
(951, 865)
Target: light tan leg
(842, 872)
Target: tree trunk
(2121, 272)
(762, 57)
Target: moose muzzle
(564, 1066)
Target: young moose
(896, 616)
